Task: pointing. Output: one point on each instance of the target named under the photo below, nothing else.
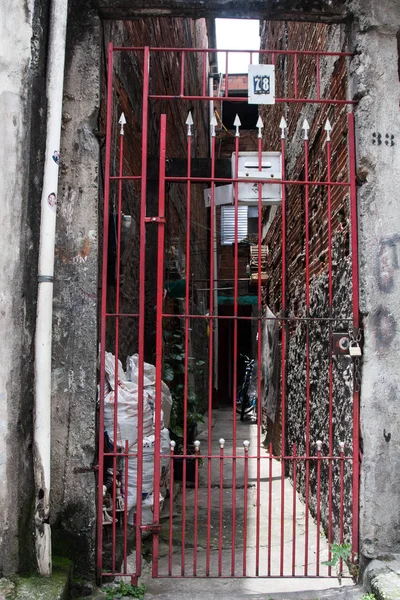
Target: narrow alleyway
(220, 555)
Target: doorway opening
(232, 305)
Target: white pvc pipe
(44, 316)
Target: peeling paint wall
(22, 111)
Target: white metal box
(248, 169)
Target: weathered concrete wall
(375, 81)
(22, 107)
(73, 494)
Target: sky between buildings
(237, 34)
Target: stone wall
(340, 406)
(296, 36)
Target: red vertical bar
(294, 511)
(159, 337)
(283, 357)
(204, 86)
(226, 74)
(186, 351)
(246, 445)
(319, 446)
(295, 76)
(171, 505)
(210, 362)
(354, 219)
(116, 370)
(259, 351)
(126, 480)
(341, 510)
(330, 373)
(221, 504)
(307, 274)
(196, 505)
(182, 92)
(235, 351)
(356, 324)
(318, 76)
(142, 283)
(104, 311)
(269, 509)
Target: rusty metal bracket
(156, 529)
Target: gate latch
(151, 528)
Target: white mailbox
(271, 168)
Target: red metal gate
(244, 508)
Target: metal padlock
(354, 349)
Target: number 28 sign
(261, 84)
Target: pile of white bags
(126, 391)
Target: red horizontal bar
(213, 50)
(124, 177)
(230, 456)
(245, 99)
(283, 319)
(121, 315)
(238, 576)
(255, 180)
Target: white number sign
(261, 84)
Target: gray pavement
(275, 537)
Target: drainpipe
(44, 315)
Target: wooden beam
(325, 11)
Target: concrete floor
(287, 552)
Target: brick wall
(127, 97)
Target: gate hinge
(155, 220)
(151, 528)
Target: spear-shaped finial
(213, 124)
(189, 123)
(237, 123)
(283, 126)
(328, 129)
(259, 126)
(306, 127)
(122, 122)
